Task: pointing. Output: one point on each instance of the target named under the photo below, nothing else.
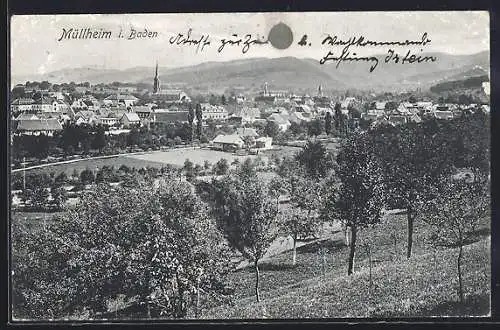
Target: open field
(178, 156)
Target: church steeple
(156, 81)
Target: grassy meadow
(318, 286)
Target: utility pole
(24, 173)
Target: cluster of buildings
(405, 112)
(117, 109)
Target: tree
(221, 167)
(413, 157)
(315, 159)
(315, 127)
(206, 165)
(191, 119)
(155, 245)
(339, 119)
(300, 219)
(358, 202)
(455, 214)
(60, 196)
(99, 141)
(87, 176)
(472, 135)
(199, 120)
(61, 179)
(247, 215)
(272, 129)
(37, 197)
(328, 123)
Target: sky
(35, 48)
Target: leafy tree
(99, 141)
(272, 129)
(328, 123)
(60, 196)
(340, 120)
(221, 167)
(472, 137)
(191, 118)
(414, 157)
(61, 179)
(87, 176)
(206, 165)
(455, 215)
(315, 159)
(17, 92)
(358, 202)
(39, 198)
(315, 127)
(199, 120)
(152, 245)
(299, 220)
(391, 105)
(247, 215)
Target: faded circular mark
(280, 36)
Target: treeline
(93, 140)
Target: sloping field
(407, 288)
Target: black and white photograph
(249, 166)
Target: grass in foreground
(425, 285)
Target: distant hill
(287, 73)
(455, 85)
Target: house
(85, 117)
(144, 112)
(282, 123)
(443, 114)
(415, 118)
(44, 104)
(303, 108)
(108, 121)
(21, 105)
(38, 126)
(213, 112)
(127, 89)
(382, 121)
(298, 117)
(245, 131)
(370, 116)
(79, 105)
(115, 99)
(348, 102)
(228, 142)
(264, 142)
(398, 119)
(62, 107)
(130, 119)
(172, 96)
(380, 105)
(247, 114)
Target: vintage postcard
(274, 165)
